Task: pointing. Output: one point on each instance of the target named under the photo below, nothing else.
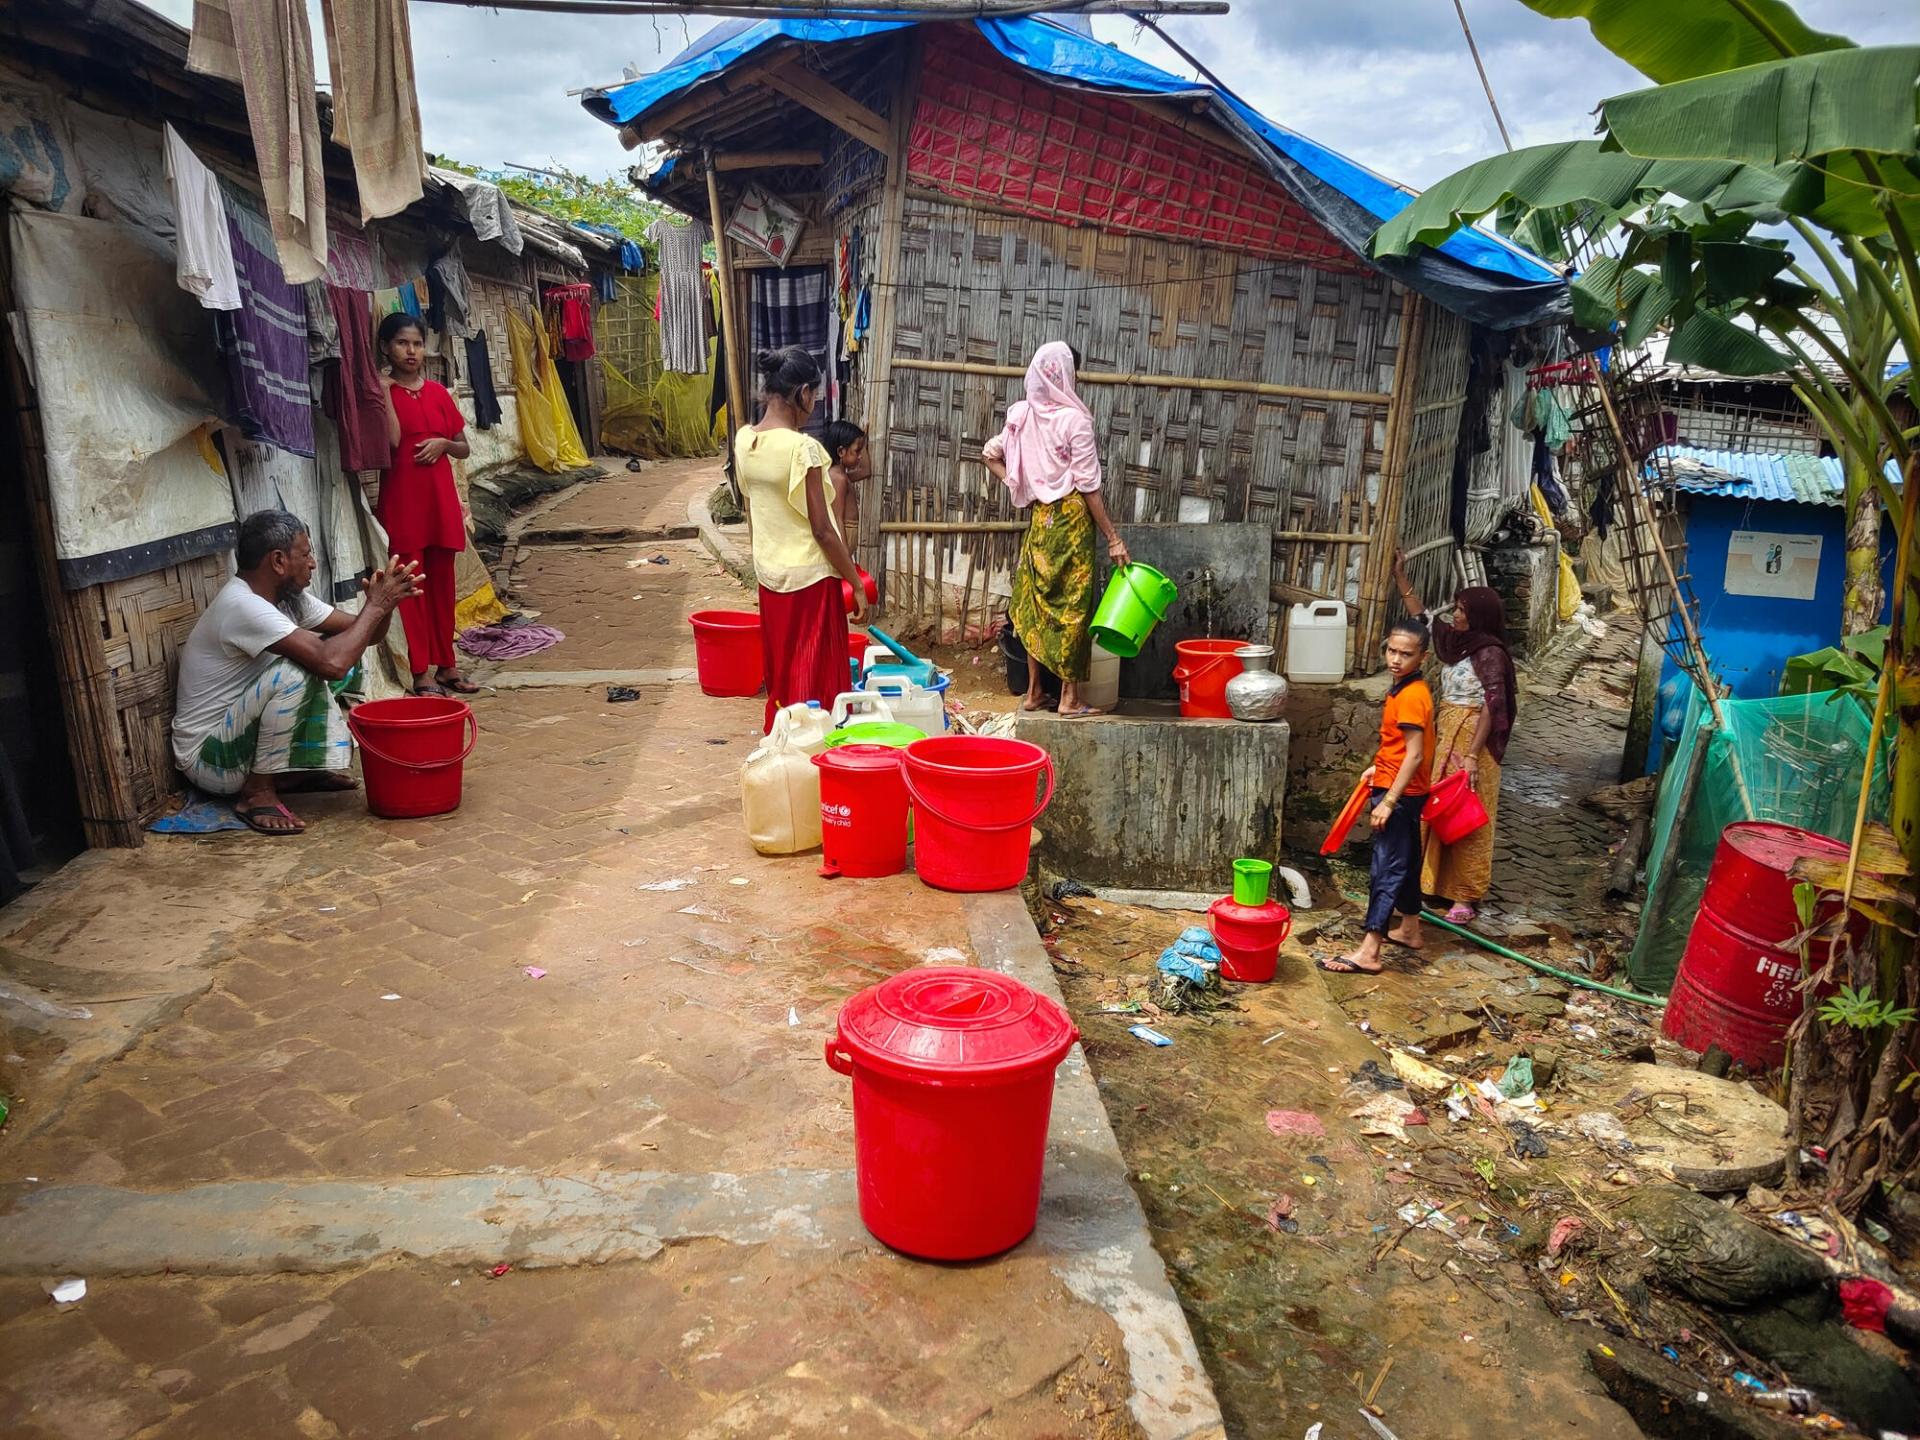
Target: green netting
(650, 410)
(1795, 759)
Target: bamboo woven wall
(1423, 520)
(145, 620)
(989, 288)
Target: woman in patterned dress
(1048, 458)
(1479, 697)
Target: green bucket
(876, 732)
(1136, 600)
(1252, 881)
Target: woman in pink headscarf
(1049, 460)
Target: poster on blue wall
(1780, 567)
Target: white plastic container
(780, 786)
(1102, 690)
(921, 707)
(1317, 643)
(859, 705)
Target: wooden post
(1377, 569)
(879, 347)
(729, 329)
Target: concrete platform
(1145, 800)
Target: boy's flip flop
(1340, 965)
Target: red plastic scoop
(1343, 822)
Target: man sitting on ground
(254, 705)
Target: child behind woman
(846, 443)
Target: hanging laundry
(376, 112)
(605, 287)
(323, 326)
(486, 401)
(790, 308)
(409, 298)
(576, 319)
(683, 346)
(489, 211)
(265, 341)
(353, 393)
(385, 303)
(203, 250)
(267, 48)
(862, 321)
(449, 301)
(834, 362)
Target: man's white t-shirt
(227, 652)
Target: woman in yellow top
(799, 554)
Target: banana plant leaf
(1668, 40)
(1714, 342)
(1782, 112)
(1570, 173)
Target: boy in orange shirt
(1400, 778)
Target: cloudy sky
(1388, 82)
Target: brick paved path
(1551, 853)
(376, 1025)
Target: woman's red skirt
(804, 634)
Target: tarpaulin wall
(1798, 758)
(650, 410)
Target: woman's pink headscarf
(1048, 444)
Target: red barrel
(1738, 985)
(1249, 938)
(863, 811)
(952, 1092)
(974, 808)
(726, 652)
(413, 753)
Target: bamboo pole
(1160, 382)
(952, 527)
(729, 329)
(1406, 381)
(880, 341)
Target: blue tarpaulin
(1474, 274)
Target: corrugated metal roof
(1742, 475)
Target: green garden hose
(1658, 1001)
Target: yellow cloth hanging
(547, 430)
(1569, 597)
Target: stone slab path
(348, 1097)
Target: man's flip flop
(459, 685)
(251, 815)
(1338, 966)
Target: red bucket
(1453, 809)
(1202, 673)
(953, 1075)
(1249, 938)
(863, 811)
(974, 808)
(727, 654)
(413, 752)
(868, 587)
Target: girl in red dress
(418, 503)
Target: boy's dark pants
(1396, 862)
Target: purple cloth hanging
(265, 342)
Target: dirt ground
(1304, 1316)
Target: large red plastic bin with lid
(952, 1092)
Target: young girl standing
(419, 505)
